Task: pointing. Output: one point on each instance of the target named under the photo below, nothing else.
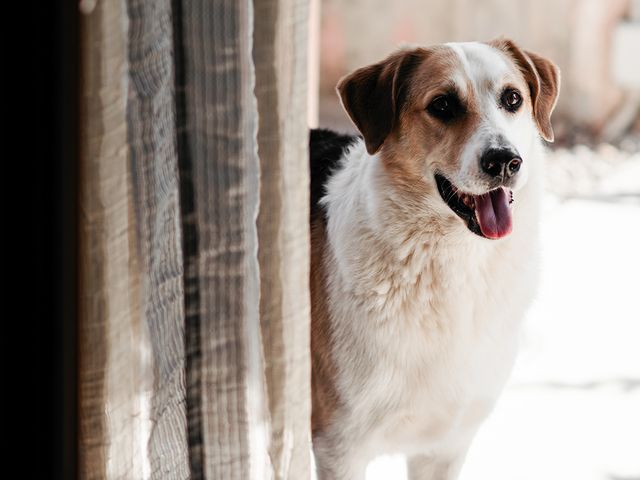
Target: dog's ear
(372, 96)
(543, 78)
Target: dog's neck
(384, 238)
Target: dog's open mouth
(487, 215)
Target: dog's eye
(511, 99)
(445, 107)
(440, 104)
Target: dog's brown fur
(324, 394)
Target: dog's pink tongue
(493, 213)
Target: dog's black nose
(499, 162)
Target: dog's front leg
(422, 467)
(338, 460)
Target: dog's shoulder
(326, 149)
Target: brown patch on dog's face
(410, 138)
(543, 79)
(420, 139)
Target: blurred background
(572, 408)
(594, 42)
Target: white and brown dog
(424, 251)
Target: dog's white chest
(437, 361)
(441, 395)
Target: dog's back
(326, 148)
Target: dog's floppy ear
(543, 78)
(373, 96)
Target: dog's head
(464, 117)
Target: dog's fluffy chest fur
(423, 317)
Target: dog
(424, 251)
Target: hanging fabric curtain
(194, 304)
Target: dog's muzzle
(488, 215)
